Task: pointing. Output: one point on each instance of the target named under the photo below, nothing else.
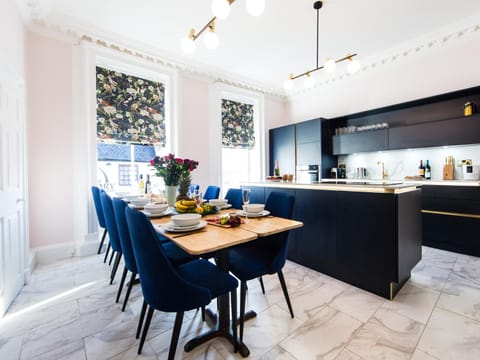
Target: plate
(156, 215)
(253, 215)
(228, 206)
(172, 228)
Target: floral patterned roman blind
(237, 125)
(129, 109)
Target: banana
(189, 203)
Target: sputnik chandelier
(329, 65)
(221, 10)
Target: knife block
(448, 172)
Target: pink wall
(50, 135)
(194, 115)
(12, 38)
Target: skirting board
(52, 253)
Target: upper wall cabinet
(460, 131)
(309, 131)
(282, 148)
(376, 140)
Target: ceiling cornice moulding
(37, 23)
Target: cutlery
(187, 233)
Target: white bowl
(253, 208)
(186, 219)
(155, 208)
(218, 202)
(131, 197)
(139, 202)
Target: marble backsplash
(401, 163)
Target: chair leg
(115, 266)
(261, 284)
(106, 253)
(285, 291)
(111, 257)
(122, 281)
(243, 295)
(176, 334)
(101, 241)
(233, 296)
(203, 313)
(145, 328)
(140, 320)
(129, 289)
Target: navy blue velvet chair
(193, 187)
(266, 255)
(176, 255)
(234, 197)
(173, 289)
(100, 217)
(212, 192)
(112, 229)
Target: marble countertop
(360, 186)
(416, 182)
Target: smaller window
(126, 173)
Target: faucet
(384, 172)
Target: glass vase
(171, 192)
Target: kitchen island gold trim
(447, 213)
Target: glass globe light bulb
(288, 84)
(210, 40)
(221, 8)
(255, 7)
(187, 45)
(353, 66)
(329, 65)
(309, 82)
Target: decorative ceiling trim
(37, 11)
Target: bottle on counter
(141, 185)
(277, 169)
(428, 171)
(148, 185)
(421, 169)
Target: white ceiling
(264, 49)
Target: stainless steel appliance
(470, 172)
(338, 173)
(307, 174)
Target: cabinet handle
(447, 213)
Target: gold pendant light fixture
(220, 10)
(329, 65)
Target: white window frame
(86, 56)
(229, 92)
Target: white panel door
(13, 233)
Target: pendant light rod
(207, 25)
(317, 6)
(348, 57)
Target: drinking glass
(246, 201)
(197, 196)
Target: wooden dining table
(218, 239)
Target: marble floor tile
(10, 348)
(70, 351)
(131, 354)
(420, 355)
(347, 355)
(68, 311)
(413, 302)
(387, 335)
(323, 336)
(310, 299)
(357, 303)
(451, 336)
(462, 297)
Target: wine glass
(197, 196)
(246, 201)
